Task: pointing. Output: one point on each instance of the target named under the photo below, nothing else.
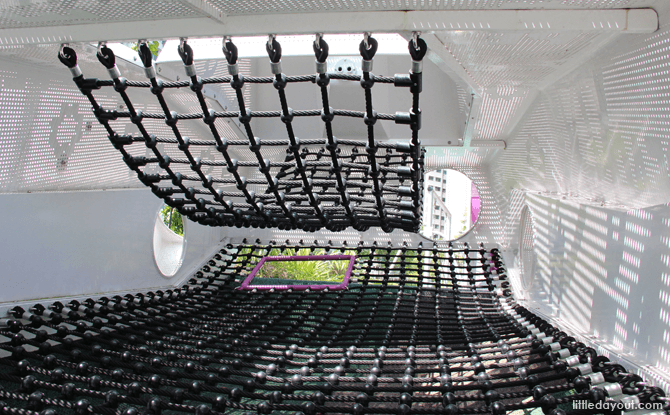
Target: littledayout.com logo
(613, 406)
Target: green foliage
(153, 47)
(176, 223)
(331, 271)
(392, 267)
(464, 223)
(324, 270)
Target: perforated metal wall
(594, 146)
(604, 274)
(233, 7)
(600, 133)
(527, 248)
(49, 139)
(15, 14)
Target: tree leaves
(173, 220)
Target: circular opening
(526, 245)
(451, 205)
(169, 241)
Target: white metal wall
(69, 244)
(603, 274)
(590, 159)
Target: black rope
(327, 115)
(419, 330)
(368, 48)
(314, 168)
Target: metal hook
(63, 46)
(182, 42)
(225, 40)
(317, 41)
(271, 38)
(415, 39)
(101, 45)
(366, 37)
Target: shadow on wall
(606, 273)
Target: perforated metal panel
(233, 7)
(16, 14)
(506, 60)
(49, 139)
(526, 248)
(604, 274)
(596, 136)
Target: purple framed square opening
(246, 284)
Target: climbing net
(419, 330)
(325, 182)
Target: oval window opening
(169, 241)
(451, 205)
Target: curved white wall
(84, 243)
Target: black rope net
(418, 331)
(322, 183)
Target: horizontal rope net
(421, 330)
(320, 183)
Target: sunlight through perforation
(621, 285)
(595, 265)
(633, 244)
(596, 240)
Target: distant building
(437, 220)
(451, 204)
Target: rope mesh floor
(423, 330)
(321, 182)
